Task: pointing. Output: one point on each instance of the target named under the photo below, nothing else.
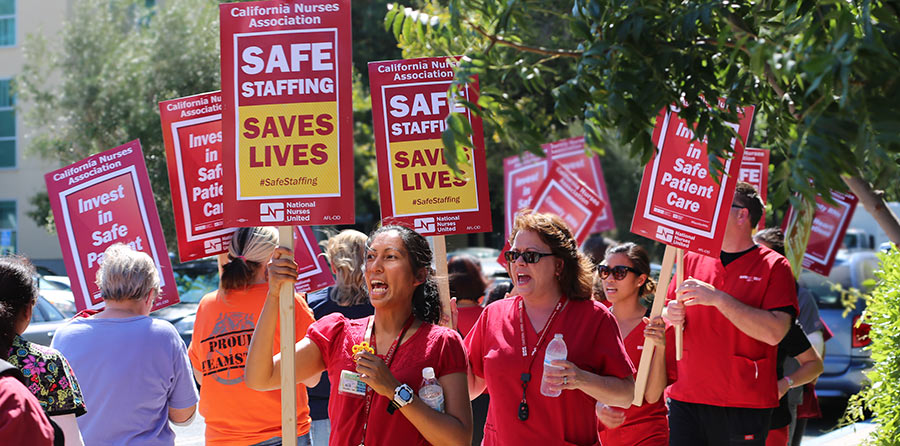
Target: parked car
(846, 358)
(194, 280)
(58, 292)
(45, 319)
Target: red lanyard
(388, 358)
(522, 413)
(559, 306)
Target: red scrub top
(467, 318)
(647, 424)
(722, 366)
(430, 346)
(494, 347)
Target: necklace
(388, 357)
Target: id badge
(351, 384)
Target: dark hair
(498, 291)
(249, 250)
(771, 237)
(466, 280)
(746, 196)
(575, 280)
(595, 247)
(17, 280)
(426, 302)
(640, 261)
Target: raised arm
(763, 325)
(263, 370)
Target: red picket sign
(102, 200)
(314, 273)
(522, 175)
(829, 226)
(287, 119)
(755, 170)
(192, 134)
(417, 188)
(680, 203)
(570, 154)
(563, 194)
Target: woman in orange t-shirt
(234, 413)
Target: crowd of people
(366, 345)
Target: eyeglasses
(527, 256)
(618, 272)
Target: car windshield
(823, 288)
(196, 279)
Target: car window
(48, 311)
(821, 287)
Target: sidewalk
(847, 436)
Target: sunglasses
(527, 256)
(618, 272)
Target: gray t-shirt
(131, 370)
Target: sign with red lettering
(755, 170)
(570, 154)
(287, 119)
(829, 226)
(313, 271)
(100, 201)
(563, 194)
(192, 133)
(522, 175)
(680, 204)
(417, 187)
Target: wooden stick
(288, 372)
(679, 278)
(442, 278)
(659, 301)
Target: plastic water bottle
(556, 350)
(431, 392)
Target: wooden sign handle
(659, 301)
(288, 371)
(679, 278)
(442, 278)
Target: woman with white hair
(133, 369)
(234, 413)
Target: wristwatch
(786, 378)
(403, 395)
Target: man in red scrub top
(735, 310)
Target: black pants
(699, 424)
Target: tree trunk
(874, 203)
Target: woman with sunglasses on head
(377, 362)
(507, 346)
(625, 275)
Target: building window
(8, 227)
(7, 125)
(7, 22)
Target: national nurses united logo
(227, 347)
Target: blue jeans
(302, 440)
(320, 432)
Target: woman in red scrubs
(625, 275)
(506, 346)
(377, 361)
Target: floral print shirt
(49, 377)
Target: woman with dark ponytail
(379, 360)
(625, 277)
(234, 413)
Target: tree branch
(499, 40)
